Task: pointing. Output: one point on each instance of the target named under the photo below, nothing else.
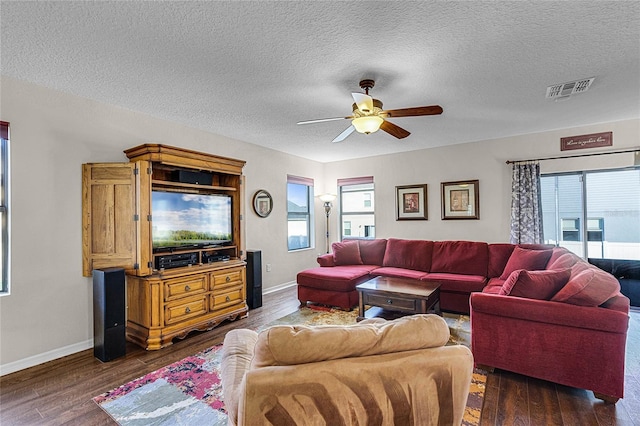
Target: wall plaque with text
(594, 140)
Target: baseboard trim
(34, 360)
(279, 287)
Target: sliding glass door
(594, 214)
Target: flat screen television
(190, 220)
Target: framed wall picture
(460, 200)
(411, 202)
(262, 203)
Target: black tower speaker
(254, 278)
(109, 340)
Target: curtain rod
(575, 156)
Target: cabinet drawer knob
(227, 299)
(187, 288)
(389, 301)
(187, 310)
(228, 278)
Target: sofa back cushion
(408, 254)
(460, 257)
(498, 257)
(542, 285)
(565, 260)
(555, 254)
(372, 251)
(298, 344)
(618, 302)
(346, 253)
(531, 260)
(589, 287)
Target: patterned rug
(188, 392)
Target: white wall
(49, 311)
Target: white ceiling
(251, 70)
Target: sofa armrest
(237, 352)
(545, 311)
(326, 260)
(429, 386)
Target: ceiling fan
(368, 115)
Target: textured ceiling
(251, 70)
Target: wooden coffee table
(400, 296)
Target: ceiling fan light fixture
(367, 124)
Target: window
(595, 214)
(299, 212)
(367, 198)
(4, 207)
(571, 229)
(357, 205)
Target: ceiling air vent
(570, 88)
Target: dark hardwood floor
(59, 392)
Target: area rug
(189, 392)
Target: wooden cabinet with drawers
(177, 302)
(165, 299)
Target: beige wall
(49, 311)
(484, 161)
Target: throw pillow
(531, 260)
(346, 253)
(541, 285)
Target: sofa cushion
(346, 253)
(578, 267)
(460, 257)
(398, 273)
(531, 260)
(372, 251)
(498, 257)
(408, 254)
(555, 254)
(322, 343)
(337, 278)
(618, 302)
(457, 282)
(590, 287)
(542, 285)
(493, 286)
(565, 260)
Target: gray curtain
(526, 204)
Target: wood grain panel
(108, 227)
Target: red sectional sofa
(536, 310)
(461, 267)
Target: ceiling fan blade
(394, 130)
(322, 120)
(363, 102)
(342, 136)
(415, 111)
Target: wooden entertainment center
(169, 293)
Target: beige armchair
(375, 372)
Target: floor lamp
(327, 199)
